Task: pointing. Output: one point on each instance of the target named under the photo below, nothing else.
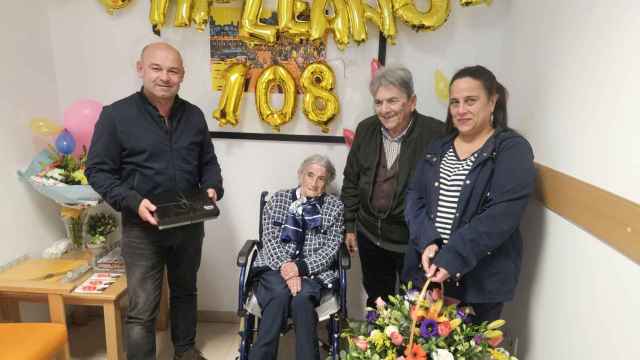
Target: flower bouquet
(99, 226)
(420, 326)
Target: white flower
(442, 354)
(390, 330)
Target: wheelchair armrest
(345, 258)
(243, 255)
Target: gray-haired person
(380, 163)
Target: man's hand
(427, 256)
(352, 243)
(212, 194)
(295, 285)
(289, 270)
(145, 211)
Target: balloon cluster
(344, 19)
(320, 104)
(74, 136)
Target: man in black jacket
(146, 144)
(380, 164)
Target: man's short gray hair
(395, 75)
(321, 160)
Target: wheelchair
(332, 307)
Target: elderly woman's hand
(295, 285)
(289, 270)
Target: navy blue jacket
(485, 247)
(134, 155)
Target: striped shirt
(392, 145)
(453, 173)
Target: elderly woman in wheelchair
(302, 231)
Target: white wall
(572, 72)
(94, 57)
(29, 222)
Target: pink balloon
(80, 118)
(348, 136)
(375, 65)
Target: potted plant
(99, 226)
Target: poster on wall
(227, 49)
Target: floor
(217, 341)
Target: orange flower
(418, 313)
(417, 353)
(434, 311)
(444, 328)
(496, 341)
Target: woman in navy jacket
(467, 197)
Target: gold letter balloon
(200, 14)
(251, 31)
(338, 23)
(320, 105)
(270, 77)
(232, 91)
(113, 5)
(158, 13)
(183, 13)
(429, 20)
(381, 15)
(288, 24)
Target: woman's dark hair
(491, 87)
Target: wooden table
(57, 294)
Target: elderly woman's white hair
(320, 160)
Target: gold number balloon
(158, 13)
(200, 14)
(251, 31)
(381, 15)
(275, 75)
(320, 105)
(338, 23)
(429, 20)
(232, 91)
(183, 13)
(113, 5)
(475, 2)
(288, 10)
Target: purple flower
(463, 314)
(372, 316)
(477, 339)
(428, 328)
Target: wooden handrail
(607, 216)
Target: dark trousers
(146, 251)
(381, 269)
(483, 311)
(277, 305)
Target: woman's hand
(427, 256)
(295, 285)
(352, 243)
(289, 270)
(437, 274)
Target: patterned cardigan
(320, 246)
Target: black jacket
(134, 155)
(360, 172)
(485, 247)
